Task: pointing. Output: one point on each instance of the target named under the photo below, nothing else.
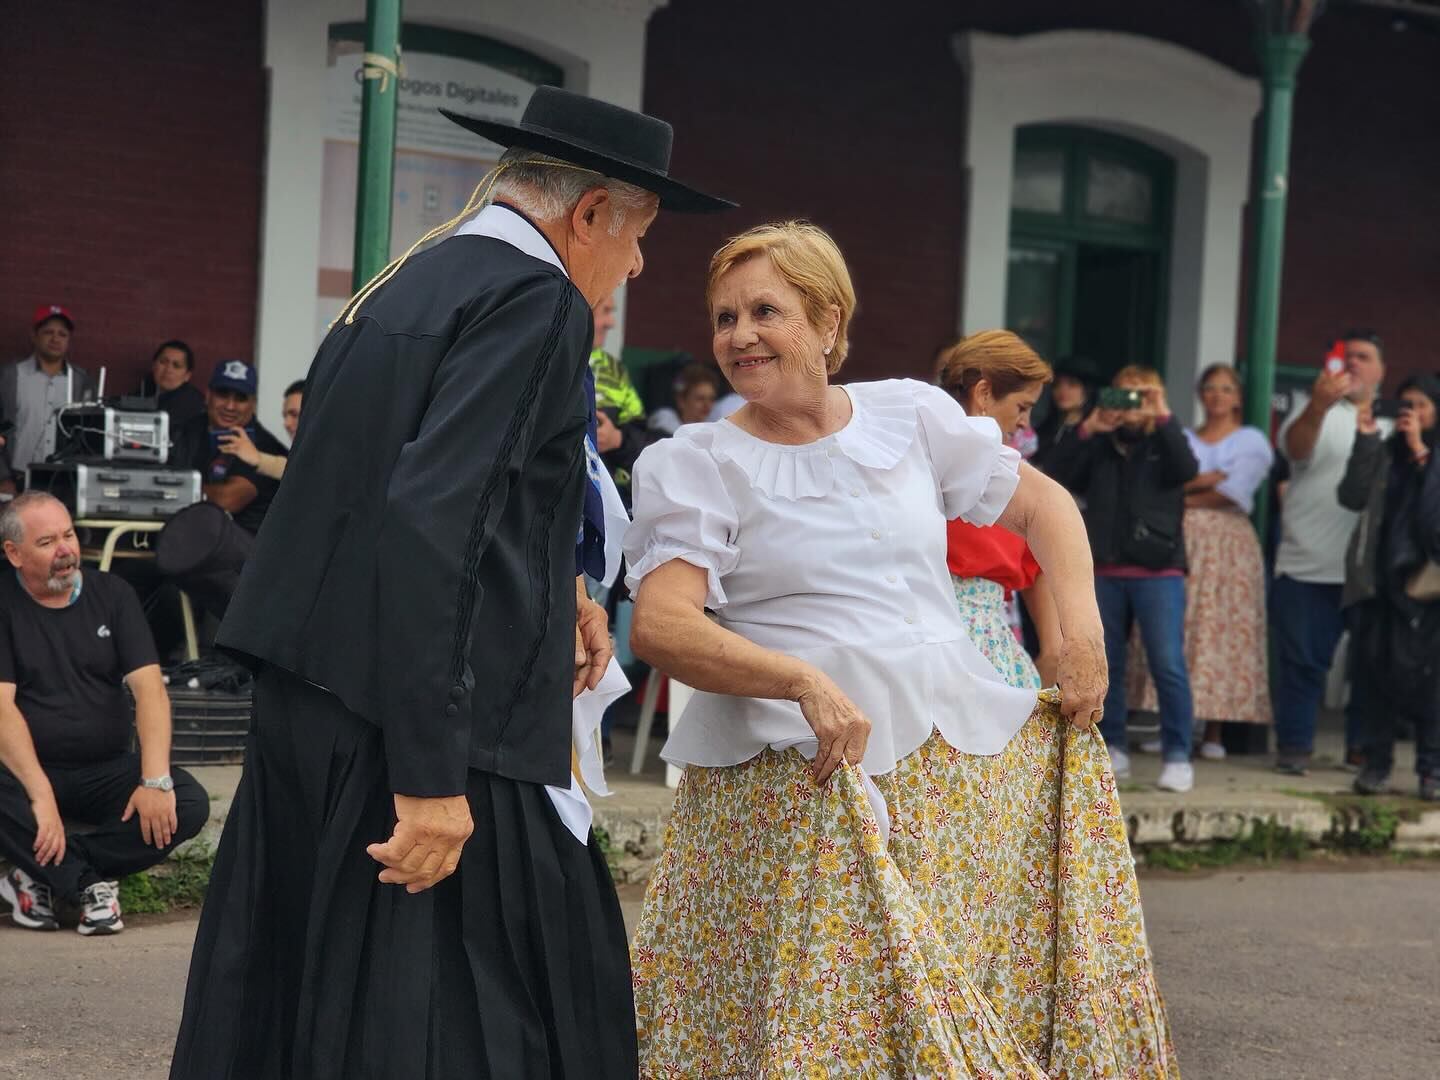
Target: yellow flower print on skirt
(1023, 862)
(780, 938)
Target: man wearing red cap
(32, 389)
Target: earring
(827, 350)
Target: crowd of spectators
(1182, 584)
(1183, 587)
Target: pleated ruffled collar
(881, 429)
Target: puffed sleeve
(976, 472)
(681, 509)
(1247, 468)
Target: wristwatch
(159, 783)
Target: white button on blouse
(788, 569)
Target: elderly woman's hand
(1083, 677)
(840, 727)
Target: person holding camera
(1225, 632)
(1305, 603)
(1392, 584)
(1129, 461)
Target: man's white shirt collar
(502, 223)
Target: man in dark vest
(395, 894)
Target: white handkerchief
(570, 803)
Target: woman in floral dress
(882, 860)
(995, 374)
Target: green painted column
(1280, 55)
(376, 183)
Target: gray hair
(12, 529)
(535, 185)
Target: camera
(1113, 397)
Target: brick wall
(1362, 243)
(130, 177)
(854, 118)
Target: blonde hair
(999, 357)
(808, 260)
(1138, 373)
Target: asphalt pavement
(1308, 974)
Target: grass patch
(1365, 823)
(1264, 842)
(607, 848)
(178, 882)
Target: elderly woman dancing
(882, 860)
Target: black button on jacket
(419, 559)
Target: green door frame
(1073, 227)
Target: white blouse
(834, 552)
(1244, 456)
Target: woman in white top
(1225, 631)
(861, 870)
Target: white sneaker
(1176, 776)
(1150, 746)
(100, 913)
(31, 904)
(1212, 751)
(1120, 764)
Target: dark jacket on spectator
(183, 403)
(1134, 493)
(1399, 526)
(1398, 531)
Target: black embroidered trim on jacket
(541, 531)
(470, 581)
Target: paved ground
(1269, 975)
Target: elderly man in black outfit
(414, 613)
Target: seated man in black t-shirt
(67, 642)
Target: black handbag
(1150, 546)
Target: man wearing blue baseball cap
(215, 443)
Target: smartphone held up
(1335, 359)
(1119, 399)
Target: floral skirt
(1225, 638)
(982, 609)
(994, 933)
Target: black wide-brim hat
(615, 142)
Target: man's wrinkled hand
(158, 820)
(592, 644)
(425, 847)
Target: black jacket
(1135, 500)
(419, 559)
(1399, 527)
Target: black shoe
(1370, 782)
(1292, 766)
(1430, 788)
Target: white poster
(438, 164)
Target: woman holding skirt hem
(810, 914)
